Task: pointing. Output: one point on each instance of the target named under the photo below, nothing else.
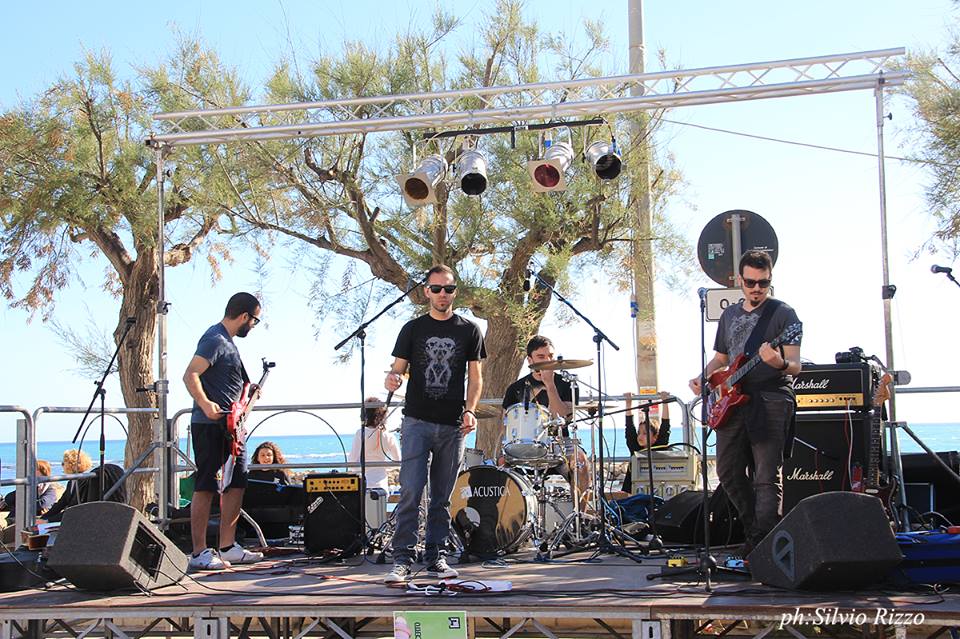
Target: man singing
(442, 350)
(756, 433)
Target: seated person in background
(269, 453)
(46, 497)
(85, 489)
(381, 445)
(637, 437)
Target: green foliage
(934, 92)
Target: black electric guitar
(871, 483)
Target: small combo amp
(331, 521)
(105, 545)
(673, 473)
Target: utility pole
(642, 303)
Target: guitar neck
(748, 365)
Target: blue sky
(823, 205)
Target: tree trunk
(504, 359)
(140, 298)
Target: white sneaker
(399, 574)
(239, 555)
(207, 560)
(440, 569)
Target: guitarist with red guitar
(220, 388)
(751, 402)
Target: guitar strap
(756, 336)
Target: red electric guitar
(725, 394)
(870, 484)
(237, 416)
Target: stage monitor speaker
(680, 520)
(819, 462)
(105, 545)
(831, 541)
(920, 467)
(332, 518)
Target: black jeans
(750, 462)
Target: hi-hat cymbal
(560, 364)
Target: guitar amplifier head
(834, 387)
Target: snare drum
(473, 457)
(493, 509)
(525, 438)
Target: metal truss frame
(540, 101)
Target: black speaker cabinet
(332, 517)
(820, 452)
(110, 546)
(828, 542)
(680, 519)
(920, 467)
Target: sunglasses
(256, 320)
(448, 289)
(751, 283)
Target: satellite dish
(715, 248)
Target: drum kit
(497, 509)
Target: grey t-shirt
(736, 325)
(223, 381)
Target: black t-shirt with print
(736, 325)
(438, 352)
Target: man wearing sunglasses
(758, 434)
(215, 378)
(442, 350)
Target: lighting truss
(588, 97)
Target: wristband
(786, 365)
(468, 411)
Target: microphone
(526, 397)
(941, 269)
(702, 293)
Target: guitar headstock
(882, 393)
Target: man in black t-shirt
(755, 435)
(442, 350)
(554, 393)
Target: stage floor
(607, 593)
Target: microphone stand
(101, 392)
(361, 333)
(706, 565)
(949, 274)
(603, 540)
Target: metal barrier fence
(167, 442)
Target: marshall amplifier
(834, 387)
(822, 447)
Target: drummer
(554, 393)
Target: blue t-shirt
(223, 381)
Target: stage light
(548, 173)
(604, 157)
(419, 188)
(472, 172)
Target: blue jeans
(437, 449)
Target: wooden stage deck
(608, 597)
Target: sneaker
(440, 569)
(207, 560)
(399, 574)
(239, 555)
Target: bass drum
(493, 510)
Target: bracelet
(468, 411)
(786, 364)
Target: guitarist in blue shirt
(755, 435)
(215, 378)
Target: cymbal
(560, 364)
(593, 407)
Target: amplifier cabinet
(824, 444)
(332, 517)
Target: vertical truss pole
(168, 475)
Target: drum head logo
(466, 492)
